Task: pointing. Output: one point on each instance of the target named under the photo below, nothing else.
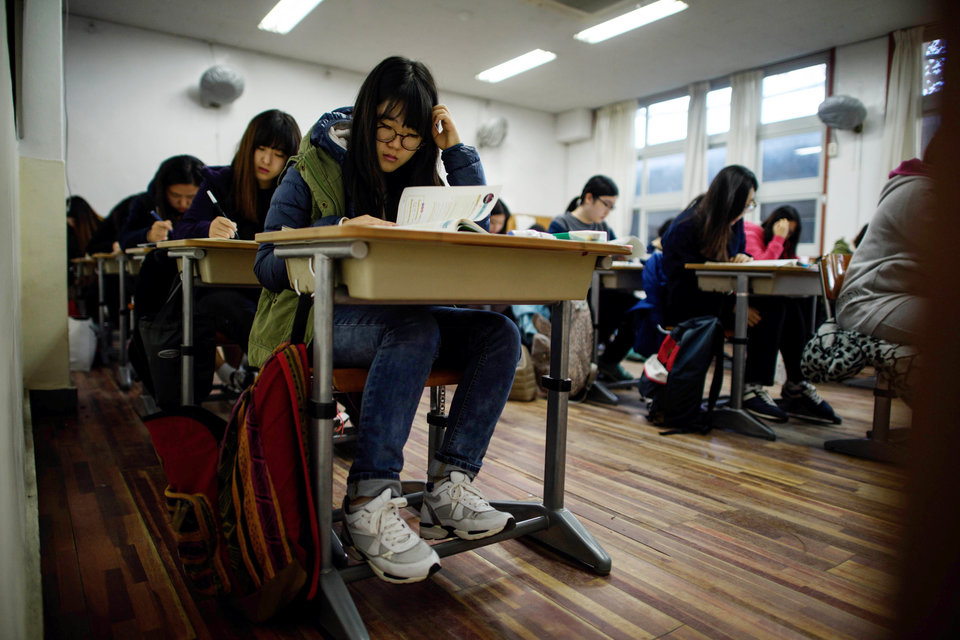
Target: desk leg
(598, 391)
(123, 368)
(733, 416)
(186, 347)
(336, 611)
(102, 315)
(565, 533)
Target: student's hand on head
(753, 317)
(159, 231)
(449, 136)
(221, 227)
(741, 257)
(781, 228)
(369, 221)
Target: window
(789, 163)
(793, 94)
(791, 157)
(934, 59)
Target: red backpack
(239, 497)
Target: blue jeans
(399, 345)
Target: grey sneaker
(457, 507)
(378, 534)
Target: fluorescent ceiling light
(520, 64)
(636, 18)
(287, 14)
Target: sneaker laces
(761, 393)
(392, 530)
(810, 392)
(469, 496)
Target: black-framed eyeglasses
(410, 141)
(609, 206)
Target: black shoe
(802, 401)
(757, 401)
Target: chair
(881, 443)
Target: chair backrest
(833, 268)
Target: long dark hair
(176, 170)
(723, 203)
(406, 90)
(273, 128)
(85, 222)
(786, 212)
(596, 186)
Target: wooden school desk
(371, 265)
(207, 262)
(745, 280)
(622, 276)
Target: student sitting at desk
(242, 190)
(615, 332)
(351, 170)
(711, 229)
(154, 212)
(777, 237)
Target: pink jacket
(755, 248)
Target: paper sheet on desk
(443, 207)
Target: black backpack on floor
(673, 379)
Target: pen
(213, 199)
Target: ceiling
(459, 38)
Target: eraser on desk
(583, 236)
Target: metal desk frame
(549, 522)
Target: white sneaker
(457, 507)
(381, 537)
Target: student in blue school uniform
(154, 212)
(711, 229)
(242, 191)
(588, 212)
(351, 170)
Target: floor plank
(712, 536)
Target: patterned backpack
(239, 497)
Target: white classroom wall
(855, 174)
(131, 102)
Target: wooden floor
(716, 536)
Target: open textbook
(447, 208)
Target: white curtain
(695, 165)
(617, 158)
(744, 118)
(901, 121)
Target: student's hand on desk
(221, 227)
(159, 231)
(753, 317)
(369, 221)
(781, 228)
(741, 257)
(449, 136)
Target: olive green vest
(274, 320)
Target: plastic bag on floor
(83, 343)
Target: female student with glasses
(711, 230)
(351, 169)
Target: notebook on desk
(458, 208)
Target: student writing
(154, 212)
(711, 229)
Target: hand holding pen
(160, 229)
(221, 226)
